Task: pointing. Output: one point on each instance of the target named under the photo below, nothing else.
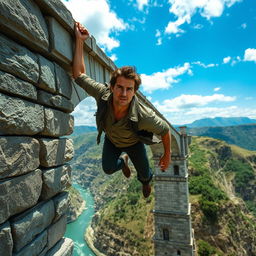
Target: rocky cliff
(222, 210)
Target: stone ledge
(63, 248)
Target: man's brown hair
(127, 72)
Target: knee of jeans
(108, 171)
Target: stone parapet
(37, 97)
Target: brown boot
(146, 190)
(126, 170)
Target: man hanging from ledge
(126, 121)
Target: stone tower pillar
(173, 232)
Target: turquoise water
(75, 230)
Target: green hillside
(241, 135)
(222, 181)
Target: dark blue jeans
(111, 161)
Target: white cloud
(100, 20)
(113, 57)
(216, 89)
(165, 79)
(141, 4)
(186, 101)
(84, 112)
(250, 54)
(158, 36)
(199, 63)
(226, 59)
(185, 9)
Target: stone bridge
(37, 97)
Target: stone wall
(37, 97)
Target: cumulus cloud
(158, 36)
(216, 89)
(141, 4)
(100, 20)
(250, 54)
(164, 79)
(185, 9)
(226, 60)
(113, 57)
(186, 101)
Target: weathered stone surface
(57, 231)
(26, 226)
(47, 75)
(18, 60)
(19, 155)
(63, 248)
(61, 204)
(61, 41)
(63, 82)
(56, 101)
(54, 152)
(24, 19)
(58, 10)
(55, 180)
(35, 247)
(57, 123)
(13, 85)
(19, 116)
(19, 193)
(6, 244)
(78, 94)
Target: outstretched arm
(166, 158)
(81, 34)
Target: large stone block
(29, 224)
(24, 20)
(57, 123)
(63, 248)
(61, 41)
(56, 231)
(6, 244)
(19, 193)
(19, 116)
(54, 152)
(47, 75)
(58, 10)
(63, 82)
(56, 101)
(18, 60)
(35, 247)
(13, 85)
(55, 180)
(61, 205)
(19, 155)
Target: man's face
(123, 91)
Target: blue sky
(197, 58)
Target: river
(76, 229)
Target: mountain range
(220, 121)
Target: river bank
(76, 229)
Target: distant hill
(241, 135)
(220, 121)
(78, 130)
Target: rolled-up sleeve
(154, 124)
(92, 87)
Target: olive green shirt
(120, 132)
